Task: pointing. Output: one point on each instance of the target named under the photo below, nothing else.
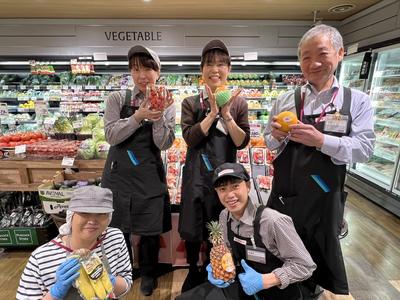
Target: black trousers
(149, 247)
(192, 254)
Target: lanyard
(323, 110)
(70, 250)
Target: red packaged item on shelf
(173, 169)
(270, 156)
(258, 156)
(264, 182)
(172, 155)
(270, 170)
(242, 156)
(52, 149)
(183, 156)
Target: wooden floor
(371, 252)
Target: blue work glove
(251, 280)
(113, 279)
(66, 274)
(217, 282)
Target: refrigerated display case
(349, 74)
(380, 170)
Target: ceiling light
(147, 1)
(341, 8)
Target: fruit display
(264, 182)
(221, 259)
(93, 281)
(30, 104)
(258, 156)
(242, 156)
(285, 119)
(222, 95)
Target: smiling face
(89, 226)
(319, 60)
(144, 70)
(215, 68)
(234, 195)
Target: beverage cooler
(379, 178)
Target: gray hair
(332, 32)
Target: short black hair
(213, 56)
(143, 60)
(227, 180)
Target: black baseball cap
(214, 44)
(230, 170)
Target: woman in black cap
(213, 135)
(134, 169)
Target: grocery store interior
(59, 60)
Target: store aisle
(371, 251)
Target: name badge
(336, 123)
(221, 126)
(256, 254)
(240, 241)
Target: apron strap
(256, 226)
(345, 110)
(128, 96)
(297, 100)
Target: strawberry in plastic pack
(156, 95)
(258, 156)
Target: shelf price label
(36, 87)
(49, 121)
(41, 108)
(20, 149)
(22, 87)
(255, 130)
(5, 87)
(90, 87)
(3, 109)
(77, 124)
(67, 161)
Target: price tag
(67, 161)
(5, 87)
(76, 98)
(36, 87)
(108, 87)
(3, 109)
(124, 87)
(22, 87)
(90, 87)
(255, 130)
(41, 108)
(49, 121)
(20, 149)
(65, 87)
(77, 124)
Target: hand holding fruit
(66, 274)
(280, 124)
(226, 108)
(306, 134)
(251, 280)
(217, 282)
(144, 112)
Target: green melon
(223, 97)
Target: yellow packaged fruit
(285, 119)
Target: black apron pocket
(147, 214)
(285, 204)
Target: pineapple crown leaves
(215, 229)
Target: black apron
(200, 203)
(317, 215)
(141, 199)
(235, 291)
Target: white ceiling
(179, 9)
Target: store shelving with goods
(385, 97)
(349, 73)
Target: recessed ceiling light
(146, 0)
(341, 8)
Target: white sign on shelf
(77, 124)
(5, 87)
(22, 87)
(49, 121)
(3, 109)
(67, 161)
(41, 108)
(20, 149)
(36, 87)
(255, 130)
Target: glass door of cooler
(385, 97)
(349, 75)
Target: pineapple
(221, 258)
